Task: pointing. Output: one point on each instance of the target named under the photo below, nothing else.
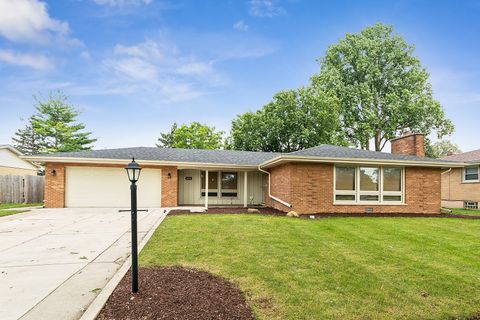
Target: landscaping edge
(274, 212)
(97, 304)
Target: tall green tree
(193, 136)
(441, 149)
(53, 128)
(27, 141)
(382, 88)
(293, 120)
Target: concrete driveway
(53, 262)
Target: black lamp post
(133, 171)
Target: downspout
(450, 169)
(269, 190)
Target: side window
(470, 174)
(345, 184)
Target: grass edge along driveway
(9, 206)
(350, 268)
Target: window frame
(464, 174)
(207, 189)
(219, 190)
(470, 205)
(361, 192)
(344, 192)
(357, 192)
(400, 193)
(228, 190)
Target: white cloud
(121, 3)
(159, 67)
(265, 8)
(240, 25)
(148, 59)
(145, 50)
(135, 69)
(29, 21)
(35, 61)
(85, 55)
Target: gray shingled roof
(329, 151)
(470, 156)
(233, 157)
(175, 155)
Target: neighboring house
(461, 186)
(323, 179)
(11, 163)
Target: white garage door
(110, 187)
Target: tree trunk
(378, 142)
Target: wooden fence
(21, 189)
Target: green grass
(19, 205)
(465, 211)
(4, 213)
(338, 268)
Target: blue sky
(133, 67)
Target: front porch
(225, 187)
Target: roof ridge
(464, 155)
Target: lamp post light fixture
(133, 171)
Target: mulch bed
(176, 293)
(475, 317)
(232, 210)
(275, 212)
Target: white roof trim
(9, 147)
(146, 162)
(20, 155)
(266, 164)
(289, 158)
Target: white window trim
(474, 205)
(464, 173)
(357, 191)
(369, 193)
(344, 192)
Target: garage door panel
(109, 187)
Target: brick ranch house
(323, 179)
(461, 186)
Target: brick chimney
(411, 144)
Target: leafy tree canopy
(382, 88)
(53, 128)
(441, 149)
(193, 136)
(293, 120)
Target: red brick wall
(169, 187)
(411, 144)
(311, 190)
(281, 187)
(55, 185)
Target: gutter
(419, 163)
(269, 189)
(179, 164)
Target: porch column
(206, 189)
(245, 192)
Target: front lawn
(19, 205)
(474, 212)
(337, 268)
(4, 213)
